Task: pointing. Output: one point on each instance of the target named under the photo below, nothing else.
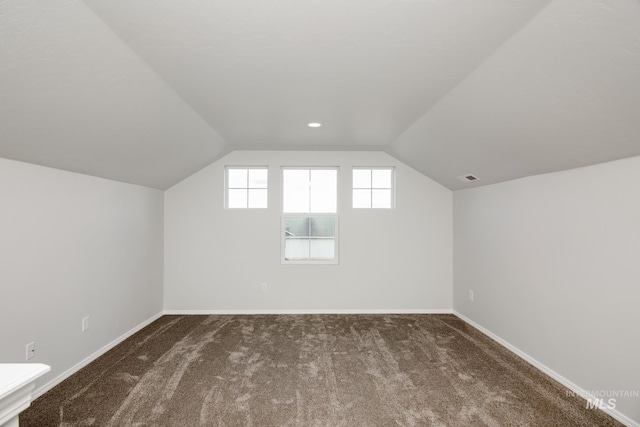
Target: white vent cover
(468, 178)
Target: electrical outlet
(85, 323)
(31, 350)
(263, 286)
(471, 295)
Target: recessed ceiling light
(314, 125)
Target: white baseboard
(316, 311)
(75, 368)
(548, 371)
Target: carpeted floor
(310, 370)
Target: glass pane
(257, 198)
(362, 178)
(324, 191)
(323, 248)
(381, 199)
(296, 249)
(381, 178)
(258, 178)
(237, 199)
(361, 198)
(237, 178)
(323, 227)
(296, 227)
(295, 189)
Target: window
(310, 220)
(373, 188)
(247, 187)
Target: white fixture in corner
(17, 382)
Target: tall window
(309, 220)
(247, 187)
(373, 188)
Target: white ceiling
(149, 92)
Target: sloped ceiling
(74, 97)
(563, 92)
(149, 92)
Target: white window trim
(284, 215)
(393, 186)
(226, 186)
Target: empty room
(319, 213)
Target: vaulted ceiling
(148, 92)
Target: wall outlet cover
(31, 350)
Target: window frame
(247, 188)
(310, 215)
(392, 189)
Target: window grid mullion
(371, 190)
(247, 188)
(310, 189)
(309, 235)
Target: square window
(373, 188)
(246, 187)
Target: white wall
(216, 259)
(554, 263)
(73, 246)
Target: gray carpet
(310, 370)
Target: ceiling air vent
(468, 178)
